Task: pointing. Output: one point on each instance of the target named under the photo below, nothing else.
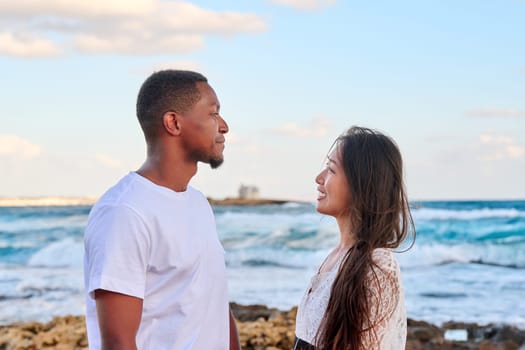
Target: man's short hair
(164, 91)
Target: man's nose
(223, 126)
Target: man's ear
(172, 123)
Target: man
(154, 268)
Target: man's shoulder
(195, 193)
(125, 194)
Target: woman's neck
(347, 237)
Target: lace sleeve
(383, 294)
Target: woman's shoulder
(384, 274)
(384, 259)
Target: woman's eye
(328, 167)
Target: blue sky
(446, 79)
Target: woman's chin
(320, 208)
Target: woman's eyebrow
(332, 160)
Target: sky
(444, 78)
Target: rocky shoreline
(246, 201)
(89, 201)
(55, 201)
(263, 328)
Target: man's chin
(215, 163)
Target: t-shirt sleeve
(116, 244)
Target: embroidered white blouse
(385, 296)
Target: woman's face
(334, 195)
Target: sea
(467, 263)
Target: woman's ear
(172, 123)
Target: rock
(246, 201)
(510, 333)
(503, 345)
(263, 328)
(245, 313)
(424, 331)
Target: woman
(355, 301)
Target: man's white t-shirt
(159, 245)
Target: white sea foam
(38, 223)
(37, 294)
(432, 254)
(426, 214)
(285, 258)
(41, 309)
(42, 280)
(65, 253)
(17, 244)
(232, 221)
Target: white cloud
(128, 45)
(498, 147)
(67, 8)
(318, 127)
(497, 113)
(186, 17)
(12, 145)
(305, 5)
(26, 45)
(118, 26)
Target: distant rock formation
(45, 201)
(245, 201)
(248, 192)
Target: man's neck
(171, 173)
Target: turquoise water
(468, 263)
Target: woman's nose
(319, 179)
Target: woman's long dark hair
(380, 218)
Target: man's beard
(213, 162)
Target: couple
(154, 267)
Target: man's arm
(118, 318)
(235, 343)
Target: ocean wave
(427, 214)
(39, 224)
(15, 297)
(253, 230)
(283, 258)
(420, 256)
(64, 253)
(496, 264)
(443, 295)
(271, 218)
(267, 262)
(434, 254)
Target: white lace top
(385, 297)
